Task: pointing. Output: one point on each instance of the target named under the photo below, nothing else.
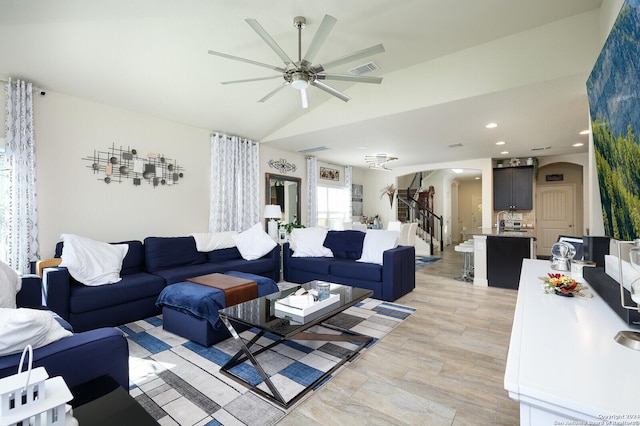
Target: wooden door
(555, 215)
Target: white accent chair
(394, 225)
(411, 234)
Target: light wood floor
(444, 365)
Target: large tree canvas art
(614, 101)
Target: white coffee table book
(563, 363)
(32, 398)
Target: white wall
(71, 199)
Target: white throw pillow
(308, 242)
(92, 262)
(210, 241)
(21, 327)
(10, 284)
(376, 242)
(254, 242)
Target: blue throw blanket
(194, 299)
(345, 244)
(204, 302)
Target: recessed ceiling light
(504, 152)
(578, 144)
(500, 143)
(584, 132)
(491, 125)
(477, 177)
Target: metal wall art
(282, 165)
(118, 165)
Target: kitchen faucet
(506, 214)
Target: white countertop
(494, 232)
(562, 356)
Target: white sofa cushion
(376, 242)
(21, 327)
(92, 262)
(10, 284)
(254, 242)
(308, 242)
(209, 241)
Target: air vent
(316, 149)
(364, 68)
(455, 145)
(541, 148)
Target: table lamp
(272, 212)
(628, 338)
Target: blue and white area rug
(422, 261)
(179, 383)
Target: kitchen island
(563, 365)
(498, 256)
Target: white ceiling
(150, 56)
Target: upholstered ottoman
(191, 310)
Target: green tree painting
(614, 102)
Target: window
(332, 207)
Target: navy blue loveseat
(389, 281)
(147, 269)
(78, 358)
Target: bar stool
(466, 249)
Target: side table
(102, 402)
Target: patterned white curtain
(348, 180)
(235, 177)
(19, 229)
(312, 191)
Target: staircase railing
(414, 187)
(426, 218)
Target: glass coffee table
(261, 314)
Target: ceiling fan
(378, 161)
(302, 73)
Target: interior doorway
(555, 215)
(559, 204)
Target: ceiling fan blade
(347, 77)
(249, 61)
(303, 98)
(251, 79)
(274, 91)
(319, 38)
(369, 51)
(270, 41)
(322, 86)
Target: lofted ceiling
(449, 68)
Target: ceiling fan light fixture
(378, 161)
(299, 80)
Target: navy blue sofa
(389, 281)
(78, 358)
(147, 269)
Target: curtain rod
(34, 89)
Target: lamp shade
(272, 211)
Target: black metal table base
(274, 395)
